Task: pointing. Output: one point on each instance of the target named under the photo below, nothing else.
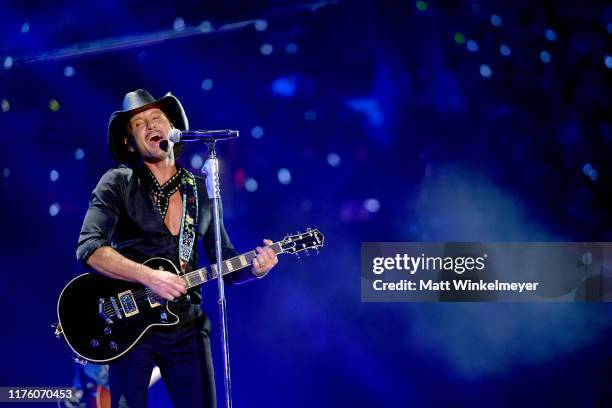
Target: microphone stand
(211, 168)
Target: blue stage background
(370, 120)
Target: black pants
(183, 356)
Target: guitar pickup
(128, 303)
(154, 299)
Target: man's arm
(94, 246)
(111, 263)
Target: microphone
(176, 135)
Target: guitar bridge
(101, 312)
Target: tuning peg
(308, 229)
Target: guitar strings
(141, 296)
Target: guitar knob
(113, 345)
(107, 330)
(163, 316)
(95, 343)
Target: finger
(256, 265)
(263, 256)
(178, 286)
(270, 253)
(179, 281)
(267, 242)
(261, 260)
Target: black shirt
(122, 214)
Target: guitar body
(103, 318)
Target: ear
(128, 143)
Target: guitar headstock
(312, 238)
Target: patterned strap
(189, 225)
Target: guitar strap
(185, 181)
(190, 217)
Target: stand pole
(211, 168)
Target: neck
(163, 169)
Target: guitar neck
(203, 275)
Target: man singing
(148, 207)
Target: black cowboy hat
(133, 103)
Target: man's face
(149, 128)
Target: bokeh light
(207, 84)
(257, 132)
(54, 209)
(251, 185)
(284, 176)
(372, 205)
(505, 50)
(266, 49)
(54, 105)
(485, 71)
(69, 71)
(333, 159)
(197, 161)
(54, 175)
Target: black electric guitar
(102, 318)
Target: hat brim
(118, 123)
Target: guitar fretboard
(203, 275)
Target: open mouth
(155, 138)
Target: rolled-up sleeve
(101, 217)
